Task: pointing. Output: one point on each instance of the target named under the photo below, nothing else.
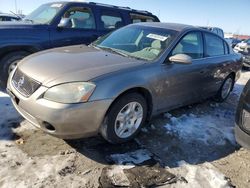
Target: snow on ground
(7, 114)
(134, 157)
(205, 175)
(211, 129)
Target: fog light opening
(48, 126)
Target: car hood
(75, 63)
(17, 24)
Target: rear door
(81, 29)
(218, 62)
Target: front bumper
(69, 121)
(242, 137)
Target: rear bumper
(242, 137)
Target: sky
(230, 15)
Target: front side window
(111, 20)
(137, 42)
(45, 13)
(80, 18)
(214, 45)
(191, 44)
(136, 18)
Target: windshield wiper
(116, 51)
(94, 46)
(29, 20)
(113, 50)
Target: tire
(112, 126)
(225, 89)
(7, 61)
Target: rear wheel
(125, 118)
(225, 89)
(9, 63)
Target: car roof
(8, 15)
(102, 5)
(209, 27)
(172, 26)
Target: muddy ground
(192, 146)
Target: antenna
(16, 6)
(16, 14)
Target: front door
(182, 84)
(81, 28)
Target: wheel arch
(140, 90)
(233, 75)
(10, 49)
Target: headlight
(70, 93)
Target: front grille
(24, 84)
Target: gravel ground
(192, 146)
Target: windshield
(44, 14)
(140, 42)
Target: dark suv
(61, 24)
(9, 17)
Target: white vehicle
(242, 46)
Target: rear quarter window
(214, 45)
(111, 20)
(136, 18)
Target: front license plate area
(12, 95)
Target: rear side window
(2, 18)
(214, 45)
(111, 20)
(136, 18)
(81, 18)
(191, 44)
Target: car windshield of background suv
(137, 42)
(44, 14)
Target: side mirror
(64, 23)
(181, 59)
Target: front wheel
(9, 63)
(125, 118)
(225, 89)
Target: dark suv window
(141, 18)
(111, 20)
(214, 45)
(191, 44)
(80, 17)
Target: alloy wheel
(128, 119)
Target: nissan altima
(116, 84)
